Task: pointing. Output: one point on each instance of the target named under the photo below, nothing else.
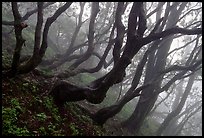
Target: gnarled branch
(27, 15)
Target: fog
(145, 58)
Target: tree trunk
(94, 12)
(134, 122)
(96, 91)
(101, 116)
(141, 111)
(38, 51)
(18, 26)
(105, 113)
(173, 123)
(175, 112)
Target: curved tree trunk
(134, 122)
(94, 12)
(141, 111)
(39, 52)
(96, 91)
(101, 116)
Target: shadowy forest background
(138, 64)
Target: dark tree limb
(133, 19)
(156, 26)
(171, 31)
(101, 116)
(179, 107)
(155, 10)
(142, 22)
(179, 68)
(19, 39)
(48, 23)
(102, 59)
(120, 32)
(74, 36)
(37, 58)
(94, 12)
(38, 29)
(96, 92)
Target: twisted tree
(125, 44)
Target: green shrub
(9, 117)
(41, 116)
(75, 131)
(15, 104)
(42, 131)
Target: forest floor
(28, 110)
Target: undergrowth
(25, 112)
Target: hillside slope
(28, 111)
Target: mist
(102, 68)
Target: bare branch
(102, 60)
(169, 32)
(94, 12)
(156, 26)
(35, 60)
(27, 15)
(200, 8)
(179, 68)
(181, 46)
(155, 10)
(78, 26)
(48, 23)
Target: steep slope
(28, 111)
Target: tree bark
(104, 114)
(63, 58)
(98, 88)
(120, 32)
(142, 109)
(18, 26)
(94, 12)
(36, 59)
(175, 129)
